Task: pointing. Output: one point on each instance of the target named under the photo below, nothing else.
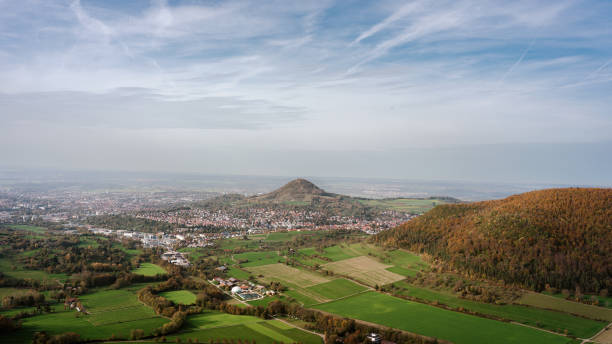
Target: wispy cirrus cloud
(312, 74)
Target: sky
(500, 91)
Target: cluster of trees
(160, 304)
(8, 325)
(75, 259)
(175, 324)
(558, 237)
(26, 283)
(176, 313)
(64, 338)
(28, 299)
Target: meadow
(112, 312)
(409, 205)
(257, 258)
(558, 304)
(184, 297)
(550, 320)
(335, 253)
(398, 262)
(34, 229)
(192, 252)
(284, 236)
(215, 325)
(435, 322)
(14, 269)
(337, 288)
(149, 269)
(238, 273)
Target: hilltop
(303, 194)
(297, 190)
(559, 237)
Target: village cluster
(243, 290)
(273, 219)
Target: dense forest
(556, 238)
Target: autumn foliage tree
(560, 238)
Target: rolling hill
(302, 193)
(297, 190)
(556, 237)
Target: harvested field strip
(365, 270)
(557, 304)
(283, 272)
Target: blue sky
(328, 88)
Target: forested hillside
(557, 237)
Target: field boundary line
(295, 326)
(592, 338)
(341, 298)
(541, 329)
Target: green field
(192, 252)
(112, 312)
(558, 304)
(283, 236)
(401, 262)
(335, 253)
(301, 298)
(230, 244)
(409, 205)
(34, 229)
(337, 288)
(258, 258)
(183, 297)
(219, 326)
(435, 322)
(238, 273)
(149, 269)
(266, 300)
(6, 266)
(550, 320)
(402, 271)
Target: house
(70, 302)
(374, 338)
(222, 268)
